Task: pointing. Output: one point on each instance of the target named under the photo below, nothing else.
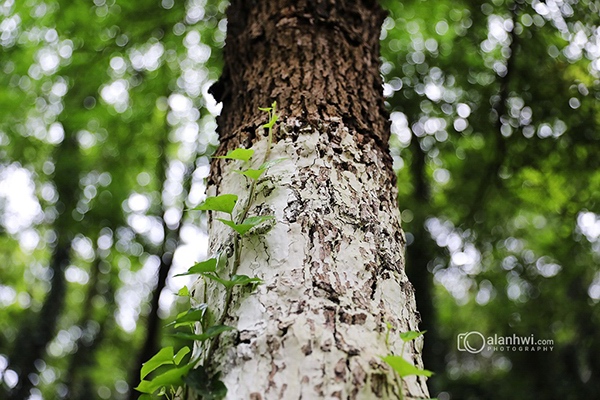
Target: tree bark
(333, 264)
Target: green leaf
(184, 291)
(190, 316)
(241, 229)
(145, 396)
(180, 354)
(247, 224)
(224, 203)
(257, 219)
(244, 280)
(251, 173)
(410, 335)
(266, 109)
(269, 164)
(221, 261)
(215, 278)
(202, 267)
(163, 357)
(146, 387)
(271, 122)
(210, 333)
(236, 280)
(209, 388)
(404, 368)
(239, 154)
(172, 377)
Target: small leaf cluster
(402, 367)
(172, 375)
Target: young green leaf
(163, 357)
(215, 278)
(147, 387)
(183, 292)
(247, 224)
(224, 203)
(210, 333)
(403, 367)
(236, 280)
(180, 354)
(238, 228)
(258, 219)
(239, 154)
(172, 377)
(271, 122)
(242, 280)
(251, 173)
(190, 316)
(202, 267)
(410, 335)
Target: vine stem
(237, 241)
(398, 378)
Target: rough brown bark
(318, 58)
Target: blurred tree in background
(496, 125)
(105, 128)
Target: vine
(174, 375)
(399, 365)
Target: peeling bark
(333, 264)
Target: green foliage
(189, 317)
(238, 154)
(410, 335)
(247, 224)
(171, 377)
(403, 368)
(236, 280)
(87, 123)
(400, 366)
(253, 174)
(224, 203)
(210, 333)
(493, 116)
(202, 267)
(164, 356)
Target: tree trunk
(333, 264)
(38, 329)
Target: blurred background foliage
(495, 116)
(106, 124)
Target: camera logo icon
(473, 342)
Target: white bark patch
(333, 271)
